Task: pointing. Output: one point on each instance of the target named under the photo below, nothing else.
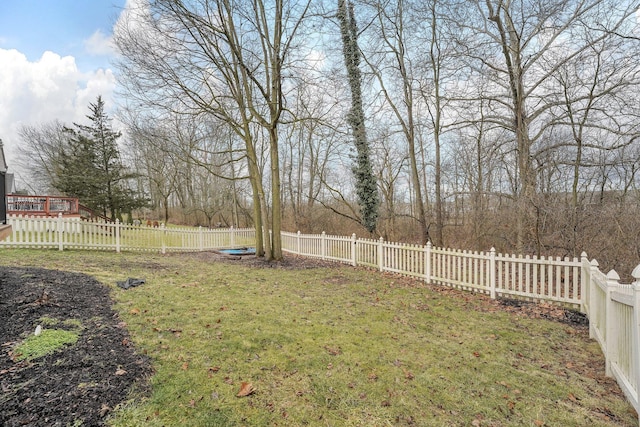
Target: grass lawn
(339, 347)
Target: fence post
(593, 306)
(380, 253)
(323, 245)
(232, 236)
(492, 272)
(354, 258)
(60, 235)
(635, 341)
(427, 262)
(611, 345)
(585, 280)
(117, 235)
(298, 243)
(164, 244)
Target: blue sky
(55, 58)
(61, 26)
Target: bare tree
(39, 154)
(221, 58)
(393, 68)
(521, 45)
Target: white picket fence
(614, 322)
(73, 233)
(613, 308)
(550, 279)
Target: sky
(55, 59)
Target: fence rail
(613, 308)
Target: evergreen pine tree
(91, 169)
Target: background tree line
(505, 123)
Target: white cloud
(99, 44)
(51, 88)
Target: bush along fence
(613, 308)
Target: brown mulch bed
(77, 384)
(84, 382)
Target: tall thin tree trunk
(366, 188)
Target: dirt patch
(79, 384)
(290, 262)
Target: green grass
(48, 342)
(338, 347)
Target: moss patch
(49, 341)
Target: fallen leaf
(572, 397)
(245, 389)
(104, 410)
(373, 376)
(186, 285)
(135, 311)
(185, 366)
(408, 375)
(538, 423)
(333, 351)
(120, 372)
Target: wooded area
(511, 124)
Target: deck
(49, 206)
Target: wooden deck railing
(50, 206)
(41, 205)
